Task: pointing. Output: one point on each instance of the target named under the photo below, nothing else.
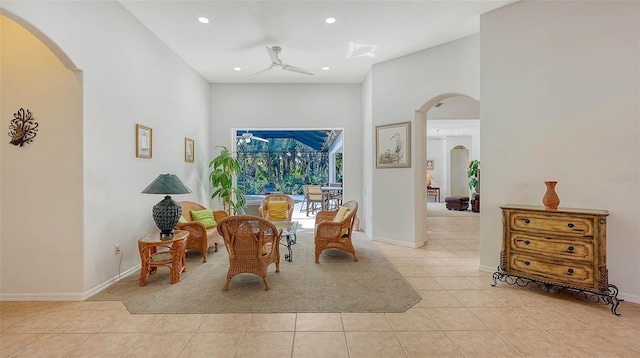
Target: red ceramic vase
(550, 198)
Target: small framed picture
(393, 145)
(189, 150)
(144, 141)
(429, 164)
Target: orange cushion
(277, 210)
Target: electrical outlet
(118, 250)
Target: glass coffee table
(289, 230)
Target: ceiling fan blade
(260, 139)
(262, 71)
(273, 55)
(297, 69)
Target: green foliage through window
(283, 165)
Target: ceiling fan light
(326, 68)
(330, 20)
(203, 20)
(237, 69)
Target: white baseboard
(629, 298)
(92, 292)
(485, 268)
(66, 296)
(399, 243)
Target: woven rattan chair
(253, 244)
(200, 238)
(263, 209)
(332, 234)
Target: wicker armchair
(264, 212)
(331, 234)
(200, 238)
(253, 244)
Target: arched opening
(443, 123)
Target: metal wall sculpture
(22, 128)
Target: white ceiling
(365, 33)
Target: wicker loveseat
(200, 238)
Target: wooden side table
(156, 251)
(435, 192)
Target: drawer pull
(527, 242)
(570, 225)
(570, 271)
(527, 263)
(527, 221)
(570, 249)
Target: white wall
(366, 218)
(436, 150)
(560, 89)
(41, 182)
(129, 77)
(294, 106)
(399, 88)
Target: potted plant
(224, 167)
(473, 173)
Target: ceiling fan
(276, 62)
(246, 137)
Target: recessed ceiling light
(203, 20)
(330, 20)
(325, 68)
(237, 69)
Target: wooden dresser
(564, 247)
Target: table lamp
(167, 212)
(429, 177)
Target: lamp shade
(167, 212)
(167, 184)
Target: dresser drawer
(570, 273)
(558, 224)
(561, 248)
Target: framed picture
(189, 150)
(393, 145)
(144, 141)
(429, 164)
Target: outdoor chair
(334, 229)
(200, 237)
(335, 197)
(253, 244)
(305, 203)
(276, 207)
(315, 198)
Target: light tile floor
(460, 315)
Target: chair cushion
(277, 210)
(204, 216)
(161, 256)
(342, 213)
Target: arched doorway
(450, 107)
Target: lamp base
(166, 214)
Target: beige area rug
(440, 210)
(336, 284)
